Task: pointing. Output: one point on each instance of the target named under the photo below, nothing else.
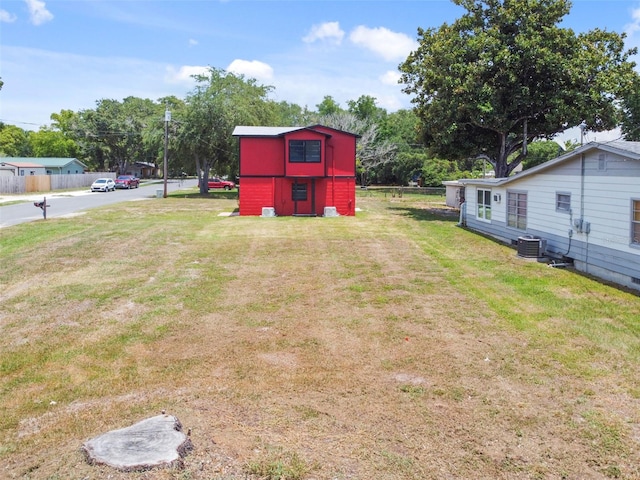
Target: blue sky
(67, 54)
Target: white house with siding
(582, 207)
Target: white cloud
(574, 134)
(38, 11)
(7, 17)
(634, 26)
(391, 103)
(305, 86)
(193, 42)
(383, 42)
(252, 69)
(184, 74)
(632, 29)
(328, 31)
(390, 77)
(38, 83)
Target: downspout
(582, 170)
(585, 227)
(333, 176)
(295, 201)
(284, 183)
(462, 222)
(313, 195)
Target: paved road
(69, 203)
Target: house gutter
(462, 222)
(584, 227)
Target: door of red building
(303, 195)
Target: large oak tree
(115, 128)
(505, 73)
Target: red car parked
(127, 181)
(217, 182)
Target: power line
(13, 122)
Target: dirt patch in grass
(343, 348)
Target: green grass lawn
(391, 345)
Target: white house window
(563, 202)
(517, 210)
(602, 161)
(484, 204)
(635, 223)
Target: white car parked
(103, 185)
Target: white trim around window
(483, 205)
(517, 210)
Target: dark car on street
(127, 181)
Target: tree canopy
(115, 128)
(14, 142)
(505, 73)
(52, 143)
(220, 101)
(630, 125)
(541, 151)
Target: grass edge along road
(390, 345)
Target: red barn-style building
(299, 171)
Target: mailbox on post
(43, 205)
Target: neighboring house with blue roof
(61, 166)
(52, 165)
(582, 207)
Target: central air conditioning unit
(530, 246)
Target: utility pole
(583, 127)
(167, 119)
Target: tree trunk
(501, 168)
(155, 442)
(202, 181)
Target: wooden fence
(392, 191)
(48, 183)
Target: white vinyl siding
(589, 188)
(605, 203)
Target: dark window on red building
(304, 151)
(299, 192)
